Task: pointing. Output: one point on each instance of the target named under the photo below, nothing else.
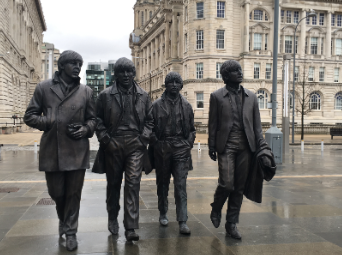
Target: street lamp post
(150, 78)
(311, 14)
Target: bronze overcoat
(50, 111)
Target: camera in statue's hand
(76, 131)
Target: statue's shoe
(183, 228)
(113, 226)
(131, 235)
(215, 218)
(71, 243)
(232, 230)
(163, 220)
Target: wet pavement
(301, 212)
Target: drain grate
(8, 190)
(46, 201)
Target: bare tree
(303, 96)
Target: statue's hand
(212, 154)
(80, 133)
(266, 161)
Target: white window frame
(199, 71)
(338, 101)
(262, 97)
(296, 78)
(315, 101)
(259, 14)
(199, 100)
(268, 71)
(321, 19)
(288, 43)
(314, 45)
(295, 17)
(256, 70)
(199, 12)
(221, 9)
(199, 40)
(257, 41)
(338, 47)
(220, 39)
(311, 74)
(321, 73)
(218, 69)
(336, 74)
(288, 16)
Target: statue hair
(173, 76)
(68, 56)
(124, 64)
(229, 66)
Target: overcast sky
(97, 29)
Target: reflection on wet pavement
(301, 211)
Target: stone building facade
(21, 35)
(45, 60)
(193, 37)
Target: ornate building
(193, 37)
(21, 35)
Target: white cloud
(98, 30)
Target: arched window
(258, 15)
(315, 101)
(262, 98)
(338, 101)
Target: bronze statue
(235, 135)
(125, 122)
(64, 109)
(171, 142)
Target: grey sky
(97, 29)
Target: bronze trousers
(65, 188)
(234, 164)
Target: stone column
(302, 35)
(246, 29)
(263, 42)
(328, 37)
(167, 40)
(161, 49)
(156, 48)
(181, 37)
(319, 44)
(148, 66)
(174, 36)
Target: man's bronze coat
(50, 111)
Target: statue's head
(70, 63)
(124, 71)
(173, 83)
(231, 72)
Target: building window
(250, 16)
(339, 20)
(338, 101)
(295, 17)
(288, 16)
(200, 10)
(336, 74)
(220, 39)
(315, 101)
(262, 99)
(186, 13)
(199, 40)
(307, 19)
(321, 19)
(314, 20)
(257, 41)
(186, 42)
(282, 14)
(311, 73)
(291, 99)
(288, 44)
(306, 45)
(314, 45)
(220, 9)
(296, 73)
(142, 18)
(266, 17)
(199, 100)
(321, 74)
(338, 47)
(296, 45)
(150, 15)
(258, 14)
(199, 71)
(268, 71)
(218, 68)
(256, 70)
(333, 17)
(266, 41)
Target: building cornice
(41, 14)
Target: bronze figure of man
(235, 133)
(64, 109)
(125, 122)
(172, 139)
